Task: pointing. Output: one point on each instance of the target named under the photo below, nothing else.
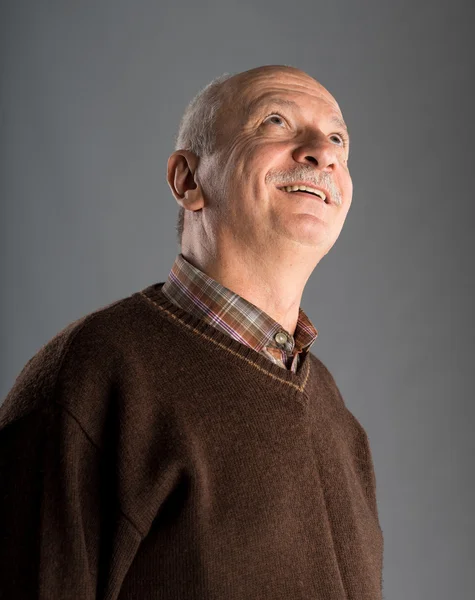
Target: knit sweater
(146, 455)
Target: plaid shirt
(196, 293)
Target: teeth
(304, 188)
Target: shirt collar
(200, 295)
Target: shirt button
(280, 338)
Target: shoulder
(87, 354)
(331, 392)
(325, 378)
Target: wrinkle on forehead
(270, 72)
(245, 88)
(240, 91)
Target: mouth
(308, 190)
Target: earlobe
(181, 170)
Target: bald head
(199, 127)
(246, 78)
(239, 93)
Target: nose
(317, 151)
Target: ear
(181, 169)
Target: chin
(310, 239)
(307, 230)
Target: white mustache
(307, 174)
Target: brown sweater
(145, 454)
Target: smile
(306, 189)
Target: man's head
(242, 142)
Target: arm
(62, 533)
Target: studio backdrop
(91, 97)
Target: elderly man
(183, 442)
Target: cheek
(349, 192)
(251, 165)
(347, 187)
(256, 158)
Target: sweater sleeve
(62, 532)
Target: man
(184, 442)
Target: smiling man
(184, 442)
(249, 224)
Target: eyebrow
(256, 104)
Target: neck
(274, 283)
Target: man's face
(287, 130)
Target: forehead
(256, 90)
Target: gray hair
(197, 132)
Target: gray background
(91, 96)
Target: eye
(275, 119)
(341, 139)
